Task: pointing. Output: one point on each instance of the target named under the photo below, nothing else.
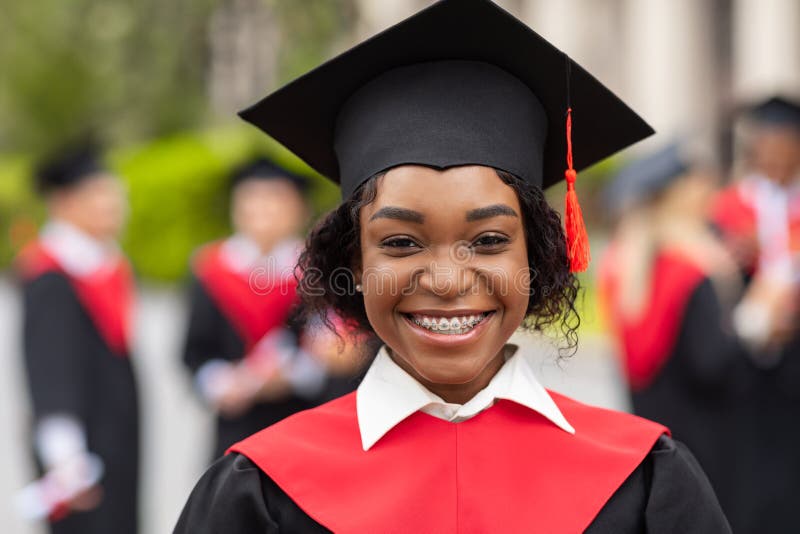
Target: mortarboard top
(261, 168)
(67, 167)
(776, 111)
(461, 82)
(646, 177)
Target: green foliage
(309, 29)
(19, 208)
(118, 69)
(178, 188)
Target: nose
(450, 273)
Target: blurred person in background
(77, 293)
(669, 286)
(758, 216)
(251, 361)
(759, 213)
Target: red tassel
(577, 239)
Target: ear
(357, 272)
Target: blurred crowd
(701, 286)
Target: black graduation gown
(71, 370)
(211, 336)
(773, 483)
(667, 493)
(703, 395)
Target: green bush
(179, 194)
(19, 208)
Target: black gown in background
(72, 371)
(667, 493)
(703, 394)
(211, 336)
(774, 479)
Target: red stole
(508, 469)
(254, 303)
(734, 212)
(648, 339)
(107, 294)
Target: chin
(453, 371)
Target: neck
(75, 226)
(264, 245)
(462, 392)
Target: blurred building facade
(682, 63)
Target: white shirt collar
(242, 255)
(77, 252)
(388, 395)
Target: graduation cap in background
(776, 111)
(461, 82)
(261, 168)
(648, 176)
(67, 167)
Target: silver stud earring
(359, 288)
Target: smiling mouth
(451, 325)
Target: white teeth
(452, 325)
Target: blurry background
(161, 81)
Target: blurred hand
(772, 305)
(247, 384)
(70, 479)
(744, 250)
(340, 356)
(88, 499)
(273, 388)
(236, 391)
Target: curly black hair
(333, 251)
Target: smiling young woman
(423, 261)
(443, 246)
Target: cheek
(384, 278)
(509, 280)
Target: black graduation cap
(646, 177)
(461, 82)
(67, 167)
(776, 111)
(261, 168)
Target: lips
(449, 324)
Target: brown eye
(399, 243)
(490, 243)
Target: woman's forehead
(462, 187)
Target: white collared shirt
(242, 255)
(78, 253)
(388, 395)
(773, 205)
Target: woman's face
(445, 272)
(267, 211)
(97, 205)
(775, 152)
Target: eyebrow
(403, 214)
(487, 212)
